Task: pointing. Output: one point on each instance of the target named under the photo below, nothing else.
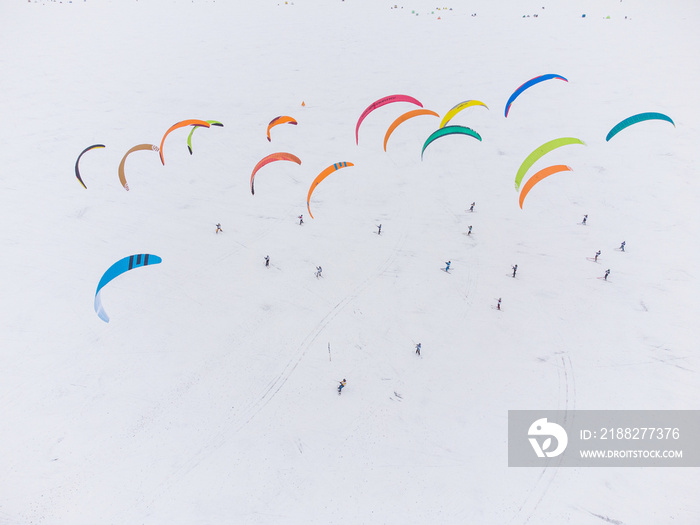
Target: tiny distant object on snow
(341, 385)
(607, 272)
(515, 269)
(498, 306)
(267, 260)
(447, 266)
(218, 228)
(470, 231)
(379, 227)
(597, 254)
(622, 246)
(585, 218)
(319, 270)
(418, 346)
(301, 219)
(471, 208)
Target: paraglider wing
(637, 118)
(541, 151)
(271, 158)
(529, 84)
(189, 137)
(404, 118)
(379, 103)
(191, 122)
(459, 107)
(537, 177)
(321, 176)
(277, 121)
(140, 147)
(77, 171)
(118, 268)
(449, 130)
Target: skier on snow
(267, 260)
(447, 266)
(470, 231)
(218, 228)
(341, 385)
(471, 208)
(318, 272)
(607, 272)
(418, 348)
(622, 246)
(301, 220)
(515, 269)
(585, 218)
(597, 254)
(498, 306)
(380, 229)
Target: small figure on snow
(379, 232)
(318, 272)
(447, 266)
(607, 272)
(471, 208)
(418, 348)
(341, 385)
(267, 261)
(622, 246)
(469, 232)
(515, 269)
(301, 220)
(218, 228)
(498, 306)
(597, 254)
(585, 218)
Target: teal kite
(449, 130)
(634, 119)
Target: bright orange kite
(537, 177)
(277, 121)
(404, 118)
(321, 176)
(191, 122)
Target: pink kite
(379, 103)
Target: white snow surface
(210, 396)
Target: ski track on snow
(273, 387)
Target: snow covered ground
(210, 396)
